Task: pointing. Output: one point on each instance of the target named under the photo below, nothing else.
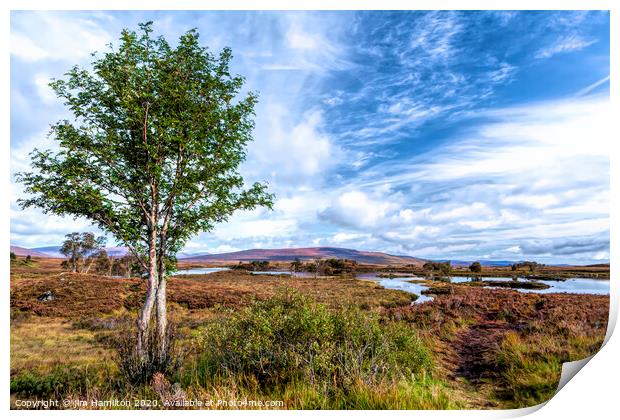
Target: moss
(517, 284)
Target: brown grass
(53, 342)
(496, 348)
(508, 346)
(81, 294)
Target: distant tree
(259, 265)
(445, 268)
(322, 268)
(80, 250)
(103, 263)
(152, 155)
(475, 267)
(296, 265)
(28, 259)
(528, 265)
(428, 266)
(310, 267)
(354, 268)
(13, 257)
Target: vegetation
(528, 265)
(289, 341)
(439, 269)
(81, 250)
(297, 265)
(253, 266)
(475, 267)
(244, 336)
(517, 284)
(152, 153)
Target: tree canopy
(151, 154)
(157, 131)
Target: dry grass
(43, 344)
(509, 346)
(78, 295)
(495, 348)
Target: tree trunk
(151, 291)
(90, 264)
(162, 320)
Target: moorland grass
(318, 358)
(324, 343)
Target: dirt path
(474, 348)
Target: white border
(591, 394)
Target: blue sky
(441, 134)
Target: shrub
(475, 267)
(139, 369)
(60, 381)
(291, 339)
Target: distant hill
(49, 251)
(54, 251)
(488, 263)
(289, 254)
(22, 252)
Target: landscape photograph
(299, 210)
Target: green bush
(58, 382)
(291, 339)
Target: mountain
(488, 263)
(54, 251)
(289, 254)
(286, 254)
(22, 252)
(49, 251)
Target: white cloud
(45, 92)
(58, 36)
(25, 49)
(242, 226)
(300, 39)
(342, 237)
(357, 209)
(534, 171)
(540, 201)
(291, 152)
(593, 86)
(503, 73)
(564, 45)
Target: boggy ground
(489, 348)
(507, 347)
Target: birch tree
(151, 154)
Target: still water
(200, 270)
(572, 285)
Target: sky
(436, 134)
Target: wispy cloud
(521, 176)
(426, 133)
(593, 86)
(56, 38)
(565, 45)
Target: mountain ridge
(263, 254)
(290, 254)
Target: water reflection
(571, 285)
